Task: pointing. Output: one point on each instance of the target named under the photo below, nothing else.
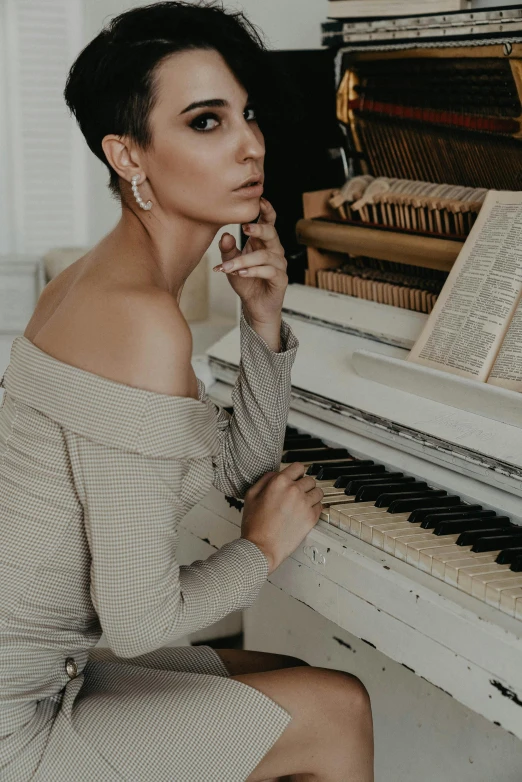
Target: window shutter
(44, 154)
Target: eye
(203, 118)
(211, 116)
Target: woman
(108, 439)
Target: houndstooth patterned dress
(95, 477)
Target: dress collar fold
(108, 412)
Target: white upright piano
(443, 667)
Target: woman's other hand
(258, 273)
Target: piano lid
(325, 385)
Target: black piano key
(354, 485)
(345, 474)
(433, 499)
(420, 514)
(315, 455)
(432, 520)
(409, 493)
(327, 473)
(365, 474)
(302, 441)
(346, 480)
(469, 538)
(316, 467)
(374, 491)
(494, 542)
(454, 527)
(516, 565)
(508, 556)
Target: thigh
(240, 661)
(322, 703)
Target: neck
(167, 250)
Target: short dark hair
(111, 88)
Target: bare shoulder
(133, 336)
(158, 346)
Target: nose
(251, 142)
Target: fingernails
(246, 228)
(227, 265)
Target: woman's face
(200, 156)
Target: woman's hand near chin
(258, 273)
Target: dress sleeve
(132, 508)
(251, 440)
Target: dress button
(71, 667)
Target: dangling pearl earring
(137, 196)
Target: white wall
(286, 24)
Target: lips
(255, 179)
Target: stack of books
(367, 9)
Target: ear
(122, 158)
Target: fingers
(315, 496)
(266, 233)
(261, 483)
(307, 483)
(259, 263)
(294, 470)
(268, 213)
(228, 247)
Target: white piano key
(407, 548)
(479, 583)
(331, 512)
(508, 599)
(401, 546)
(327, 503)
(369, 525)
(453, 567)
(518, 608)
(341, 514)
(403, 533)
(325, 484)
(327, 490)
(380, 531)
(414, 549)
(465, 579)
(494, 589)
(339, 497)
(333, 515)
(426, 557)
(360, 517)
(442, 558)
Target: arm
(132, 508)
(252, 438)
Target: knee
(347, 695)
(352, 696)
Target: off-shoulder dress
(95, 477)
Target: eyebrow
(219, 102)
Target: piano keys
(422, 525)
